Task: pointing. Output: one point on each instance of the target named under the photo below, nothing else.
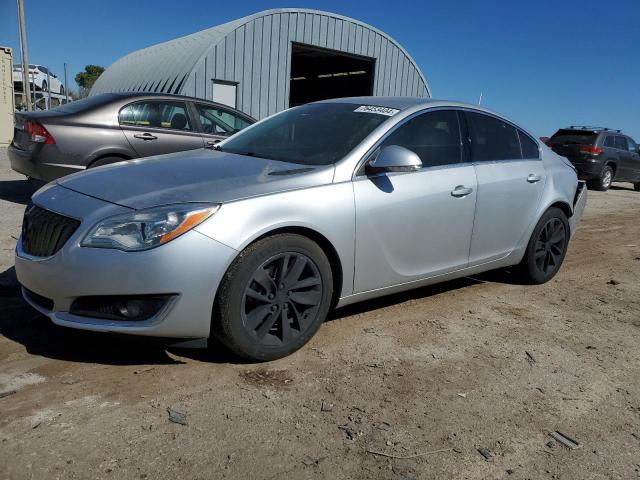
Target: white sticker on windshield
(389, 112)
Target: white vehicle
(39, 76)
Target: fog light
(131, 308)
(117, 307)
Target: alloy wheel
(282, 298)
(550, 246)
(606, 179)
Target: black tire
(603, 183)
(257, 316)
(44, 85)
(636, 187)
(61, 89)
(546, 249)
(106, 161)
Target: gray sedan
(316, 207)
(113, 127)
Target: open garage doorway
(318, 74)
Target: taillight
(37, 133)
(590, 150)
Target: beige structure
(6, 96)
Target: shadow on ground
(19, 191)
(22, 324)
(628, 187)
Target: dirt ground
(432, 375)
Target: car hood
(193, 176)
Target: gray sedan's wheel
(604, 182)
(273, 298)
(106, 161)
(547, 247)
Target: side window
(529, 147)
(492, 139)
(632, 146)
(220, 122)
(166, 115)
(608, 141)
(433, 136)
(621, 143)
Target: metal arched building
(271, 60)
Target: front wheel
(273, 298)
(546, 248)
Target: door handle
(145, 136)
(532, 178)
(461, 191)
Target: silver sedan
(316, 207)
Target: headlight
(146, 229)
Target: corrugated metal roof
(255, 51)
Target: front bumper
(189, 267)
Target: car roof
(414, 103)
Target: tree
(86, 79)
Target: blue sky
(543, 63)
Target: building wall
(6, 96)
(257, 55)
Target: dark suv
(601, 155)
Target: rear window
(574, 137)
(85, 103)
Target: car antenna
(480, 99)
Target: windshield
(314, 134)
(574, 136)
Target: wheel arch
(562, 205)
(610, 162)
(116, 154)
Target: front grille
(39, 300)
(45, 232)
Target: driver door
(415, 225)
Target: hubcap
(282, 298)
(550, 246)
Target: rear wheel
(106, 161)
(604, 182)
(273, 298)
(547, 248)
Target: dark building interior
(318, 74)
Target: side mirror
(394, 158)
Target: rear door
(634, 161)
(217, 123)
(418, 224)
(511, 179)
(155, 127)
(625, 168)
